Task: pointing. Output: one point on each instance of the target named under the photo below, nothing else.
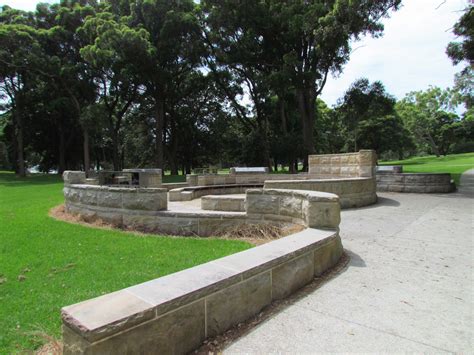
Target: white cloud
(411, 54)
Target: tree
(316, 38)
(175, 51)
(115, 53)
(368, 112)
(19, 51)
(427, 115)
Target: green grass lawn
(454, 164)
(62, 263)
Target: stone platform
(231, 203)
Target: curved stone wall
(144, 209)
(414, 182)
(352, 192)
(174, 314)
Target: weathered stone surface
(107, 314)
(223, 203)
(177, 332)
(351, 191)
(292, 275)
(322, 214)
(291, 206)
(237, 303)
(327, 255)
(262, 204)
(169, 315)
(138, 200)
(108, 198)
(416, 183)
(74, 177)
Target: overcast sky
(410, 56)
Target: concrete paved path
(409, 286)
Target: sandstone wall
(416, 182)
(111, 203)
(145, 210)
(176, 313)
(309, 208)
(352, 192)
(346, 165)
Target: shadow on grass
(9, 179)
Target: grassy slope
(65, 263)
(455, 164)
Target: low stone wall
(313, 209)
(145, 210)
(414, 182)
(352, 192)
(176, 313)
(230, 203)
(193, 192)
(174, 185)
(345, 165)
(240, 179)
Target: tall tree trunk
(115, 150)
(85, 146)
(62, 150)
(433, 145)
(174, 148)
(19, 136)
(306, 107)
(159, 128)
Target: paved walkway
(409, 286)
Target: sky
(409, 57)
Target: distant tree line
(176, 84)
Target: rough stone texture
(74, 177)
(361, 164)
(291, 276)
(414, 182)
(352, 192)
(174, 314)
(193, 192)
(176, 332)
(237, 303)
(233, 203)
(327, 256)
(150, 199)
(314, 209)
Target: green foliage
(368, 113)
(65, 263)
(427, 115)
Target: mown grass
(46, 264)
(454, 164)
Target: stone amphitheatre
(176, 313)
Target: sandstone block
(177, 332)
(74, 177)
(322, 214)
(107, 198)
(291, 206)
(292, 275)
(262, 204)
(237, 303)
